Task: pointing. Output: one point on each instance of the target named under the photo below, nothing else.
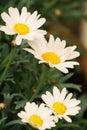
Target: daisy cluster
(26, 26)
(59, 104)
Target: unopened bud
(57, 12)
(2, 105)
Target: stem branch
(41, 82)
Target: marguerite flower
(37, 116)
(25, 25)
(62, 103)
(54, 53)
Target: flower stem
(41, 82)
(9, 59)
(3, 64)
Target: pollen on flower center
(59, 108)
(36, 120)
(21, 28)
(51, 57)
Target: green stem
(41, 82)
(3, 64)
(10, 58)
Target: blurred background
(66, 19)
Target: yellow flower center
(21, 29)
(36, 120)
(59, 108)
(51, 57)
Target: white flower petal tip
(68, 119)
(62, 104)
(39, 117)
(25, 25)
(54, 53)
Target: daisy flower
(54, 53)
(62, 104)
(37, 116)
(25, 25)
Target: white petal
(14, 13)
(73, 55)
(62, 95)
(46, 111)
(56, 93)
(73, 111)
(48, 98)
(51, 41)
(7, 19)
(61, 44)
(38, 44)
(32, 17)
(18, 40)
(29, 36)
(24, 116)
(38, 23)
(72, 103)
(70, 64)
(23, 16)
(31, 108)
(39, 33)
(67, 119)
(29, 50)
(7, 30)
(61, 68)
(69, 53)
(69, 96)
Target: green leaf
(14, 122)
(2, 120)
(65, 78)
(20, 104)
(71, 85)
(70, 125)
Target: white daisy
(37, 116)
(62, 103)
(54, 53)
(25, 25)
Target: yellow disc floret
(59, 108)
(51, 57)
(36, 120)
(21, 28)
